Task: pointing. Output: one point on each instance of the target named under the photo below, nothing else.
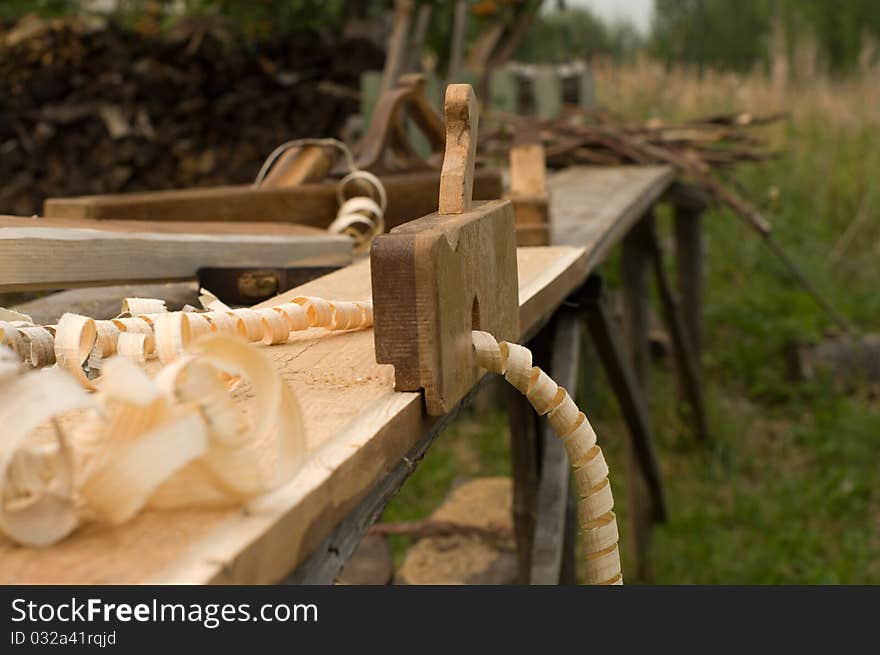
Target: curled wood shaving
(275, 328)
(225, 323)
(12, 339)
(255, 459)
(253, 325)
(137, 306)
(144, 439)
(362, 217)
(169, 333)
(595, 516)
(211, 302)
(36, 479)
(40, 345)
(296, 316)
(199, 325)
(12, 316)
(336, 315)
(75, 336)
(519, 365)
(179, 439)
(319, 311)
(10, 366)
(107, 334)
(135, 346)
(133, 324)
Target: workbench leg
(603, 332)
(634, 278)
(689, 205)
(685, 359)
(524, 464)
(553, 545)
(525, 456)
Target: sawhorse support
(543, 519)
(543, 506)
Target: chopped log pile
(90, 108)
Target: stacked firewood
(90, 107)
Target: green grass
(787, 492)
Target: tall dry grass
(648, 89)
(787, 492)
(822, 193)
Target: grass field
(788, 492)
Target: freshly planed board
(358, 429)
(599, 205)
(409, 195)
(40, 253)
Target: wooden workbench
(57, 253)
(358, 429)
(594, 207)
(364, 438)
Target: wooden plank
(550, 547)
(410, 195)
(597, 206)
(358, 429)
(34, 256)
(165, 227)
(528, 168)
(528, 188)
(635, 263)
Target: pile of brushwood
(696, 148)
(702, 151)
(89, 107)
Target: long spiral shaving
(597, 521)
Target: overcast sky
(639, 11)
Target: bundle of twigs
(710, 142)
(702, 150)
